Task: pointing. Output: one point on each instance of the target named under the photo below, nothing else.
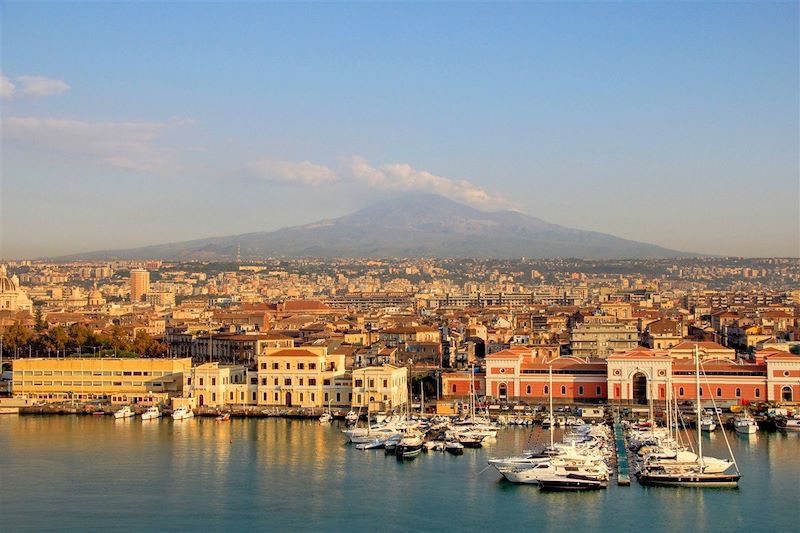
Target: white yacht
(790, 424)
(182, 413)
(325, 418)
(125, 412)
(152, 413)
(745, 424)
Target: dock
(623, 474)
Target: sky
(127, 124)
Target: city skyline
(670, 124)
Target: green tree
(40, 326)
(16, 336)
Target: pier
(623, 475)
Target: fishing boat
(745, 424)
(152, 413)
(182, 413)
(125, 412)
(696, 474)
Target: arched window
(701, 391)
(563, 389)
(528, 389)
(758, 392)
(719, 391)
(738, 393)
(454, 388)
(546, 389)
(680, 391)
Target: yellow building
(139, 283)
(121, 380)
(295, 377)
(213, 384)
(382, 387)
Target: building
(297, 377)
(214, 385)
(120, 380)
(12, 298)
(139, 284)
(381, 388)
(592, 340)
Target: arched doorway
(201, 401)
(288, 399)
(502, 391)
(640, 388)
(786, 394)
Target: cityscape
(400, 266)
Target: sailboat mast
(552, 419)
(697, 391)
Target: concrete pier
(623, 475)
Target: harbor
(271, 473)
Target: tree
(40, 325)
(16, 336)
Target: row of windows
(738, 392)
(301, 382)
(86, 384)
(566, 372)
(288, 366)
(86, 373)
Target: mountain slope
(414, 225)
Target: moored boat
(182, 413)
(152, 413)
(125, 412)
(745, 424)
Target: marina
(271, 472)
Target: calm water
(99, 474)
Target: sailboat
(691, 474)
(326, 417)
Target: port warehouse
(631, 377)
(303, 377)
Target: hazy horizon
(126, 125)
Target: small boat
(125, 412)
(224, 417)
(9, 410)
(454, 447)
(409, 447)
(371, 445)
(182, 413)
(98, 413)
(571, 482)
(325, 418)
(470, 441)
(152, 413)
(707, 424)
(351, 417)
(789, 424)
(745, 424)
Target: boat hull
(690, 480)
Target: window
(254, 396)
(680, 391)
(312, 366)
(263, 366)
(454, 389)
(528, 389)
(201, 382)
(359, 383)
(275, 366)
(213, 396)
(301, 366)
(338, 397)
(288, 366)
(719, 392)
(287, 382)
(326, 396)
(264, 381)
(580, 390)
(265, 396)
(598, 391)
(213, 382)
(274, 382)
(301, 396)
(546, 389)
(301, 382)
(758, 393)
(385, 383)
(313, 397)
(372, 384)
(701, 391)
(738, 393)
(563, 389)
(326, 382)
(276, 396)
(312, 382)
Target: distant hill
(409, 226)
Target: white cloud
(40, 86)
(128, 145)
(404, 177)
(291, 173)
(7, 89)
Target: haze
(133, 124)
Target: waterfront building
(120, 380)
(297, 376)
(214, 385)
(139, 282)
(381, 387)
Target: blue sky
(130, 124)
